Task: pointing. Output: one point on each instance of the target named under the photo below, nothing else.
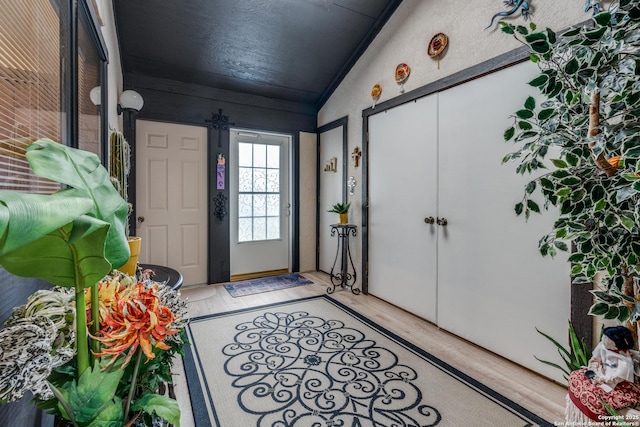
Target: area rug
(265, 284)
(315, 362)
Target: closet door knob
(442, 221)
(429, 220)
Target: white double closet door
(480, 276)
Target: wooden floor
(528, 389)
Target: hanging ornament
(437, 45)
(402, 74)
(376, 91)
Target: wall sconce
(95, 95)
(131, 101)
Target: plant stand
(344, 278)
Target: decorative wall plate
(402, 74)
(376, 91)
(437, 45)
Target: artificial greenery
(340, 208)
(575, 357)
(588, 123)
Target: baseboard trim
(248, 276)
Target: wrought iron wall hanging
(220, 202)
(219, 122)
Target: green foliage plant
(340, 208)
(73, 239)
(574, 357)
(589, 119)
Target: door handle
(429, 220)
(442, 221)
(140, 219)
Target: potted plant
(119, 169)
(343, 210)
(589, 123)
(73, 239)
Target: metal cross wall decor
(219, 122)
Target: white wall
(105, 10)
(405, 38)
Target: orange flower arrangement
(132, 317)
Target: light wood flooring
(530, 390)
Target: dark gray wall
(178, 102)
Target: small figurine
(595, 5)
(516, 5)
(612, 361)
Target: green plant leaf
(600, 205)
(595, 34)
(612, 313)
(571, 32)
(84, 172)
(163, 406)
(20, 211)
(530, 187)
(507, 29)
(539, 81)
(94, 391)
(525, 126)
(546, 114)
(533, 206)
(524, 114)
(530, 103)
(599, 309)
(561, 245)
(627, 222)
(508, 134)
(576, 257)
(67, 256)
(572, 66)
(110, 416)
(603, 18)
(518, 208)
(559, 163)
(540, 46)
(551, 36)
(533, 37)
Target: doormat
(316, 362)
(266, 284)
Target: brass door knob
(140, 219)
(429, 220)
(442, 221)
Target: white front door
(260, 208)
(403, 173)
(171, 197)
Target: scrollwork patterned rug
(315, 362)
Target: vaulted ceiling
(293, 50)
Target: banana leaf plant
(589, 120)
(71, 238)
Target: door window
(258, 192)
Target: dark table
(166, 275)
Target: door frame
(343, 121)
(294, 194)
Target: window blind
(30, 106)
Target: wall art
(516, 4)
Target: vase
(134, 246)
(344, 218)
